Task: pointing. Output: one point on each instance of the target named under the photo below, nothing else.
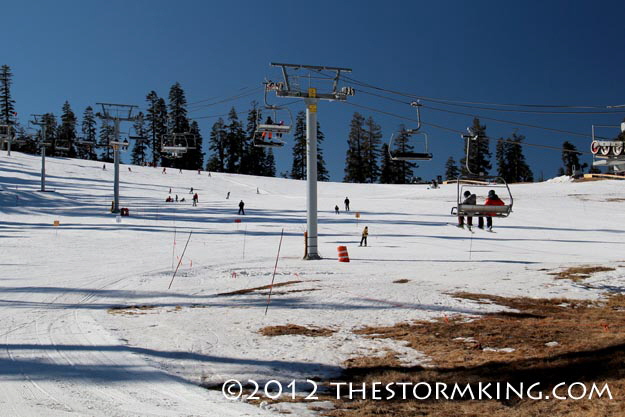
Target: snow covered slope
(71, 346)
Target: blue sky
(532, 52)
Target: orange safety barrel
(343, 256)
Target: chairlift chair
(489, 183)
(476, 180)
(176, 144)
(399, 155)
(264, 133)
(410, 155)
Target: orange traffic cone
(343, 256)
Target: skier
(228, 195)
(180, 172)
(434, 184)
(164, 171)
(336, 209)
(195, 199)
(176, 198)
(170, 190)
(346, 204)
(365, 233)
(492, 200)
(470, 199)
(191, 190)
(199, 171)
(241, 210)
(104, 167)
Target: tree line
(231, 143)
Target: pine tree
(355, 157)
(479, 153)
(373, 139)
(518, 170)
(404, 170)
(178, 122)
(570, 158)
(89, 131)
(322, 171)
(156, 119)
(501, 151)
(451, 169)
(67, 131)
(387, 167)
(298, 167)
(235, 136)
(7, 104)
(269, 169)
(254, 157)
(51, 131)
(217, 161)
(139, 149)
(107, 131)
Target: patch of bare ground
(579, 273)
(615, 199)
(549, 341)
(295, 329)
(130, 310)
(264, 287)
(401, 281)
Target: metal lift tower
(117, 113)
(311, 96)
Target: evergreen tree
(51, 131)
(373, 139)
(298, 167)
(89, 131)
(254, 157)
(217, 161)
(404, 170)
(67, 131)
(139, 149)
(501, 150)
(178, 122)
(570, 158)
(451, 169)
(355, 157)
(322, 171)
(156, 119)
(479, 153)
(269, 169)
(517, 168)
(7, 104)
(387, 167)
(107, 131)
(235, 137)
(197, 155)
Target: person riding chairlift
(269, 121)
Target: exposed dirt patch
(401, 281)
(579, 273)
(544, 340)
(295, 329)
(130, 310)
(264, 287)
(615, 199)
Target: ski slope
(65, 352)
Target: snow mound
(561, 179)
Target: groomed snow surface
(65, 353)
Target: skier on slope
(365, 233)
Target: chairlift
(403, 155)
(411, 155)
(177, 144)
(481, 181)
(264, 133)
(487, 184)
(62, 144)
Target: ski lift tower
(42, 121)
(117, 113)
(291, 87)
